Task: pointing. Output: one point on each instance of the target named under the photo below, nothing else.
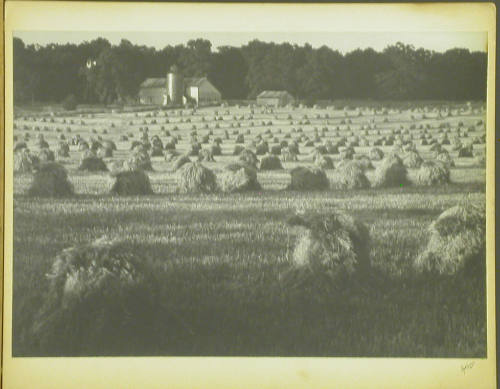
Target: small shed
(275, 98)
(153, 91)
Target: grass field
(216, 260)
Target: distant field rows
(165, 182)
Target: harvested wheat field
(207, 261)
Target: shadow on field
(211, 282)
(238, 307)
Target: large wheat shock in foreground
(331, 243)
(99, 297)
(457, 242)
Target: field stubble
(216, 262)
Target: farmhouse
(175, 90)
(275, 98)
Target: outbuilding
(153, 91)
(275, 98)
(200, 90)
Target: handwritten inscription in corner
(467, 366)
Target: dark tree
(98, 72)
(228, 72)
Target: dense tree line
(98, 72)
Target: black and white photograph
(257, 193)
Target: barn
(275, 98)
(202, 91)
(152, 91)
(176, 90)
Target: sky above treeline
(341, 41)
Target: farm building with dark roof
(202, 91)
(153, 91)
(199, 90)
(275, 98)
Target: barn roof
(162, 82)
(193, 81)
(273, 94)
(154, 83)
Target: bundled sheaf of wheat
(97, 294)
(270, 162)
(92, 163)
(288, 155)
(444, 157)
(412, 159)
(375, 154)
(433, 173)
(25, 161)
(50, 180)
(248, 156)
(205, 155)
(331, 246)
(139, 160)
(323, 161)
(195, 178)
(129, 183)
(457, 242)
(350, 175)
(391, 172)
(308, 178)
(238, 177)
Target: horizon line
(343, 42)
